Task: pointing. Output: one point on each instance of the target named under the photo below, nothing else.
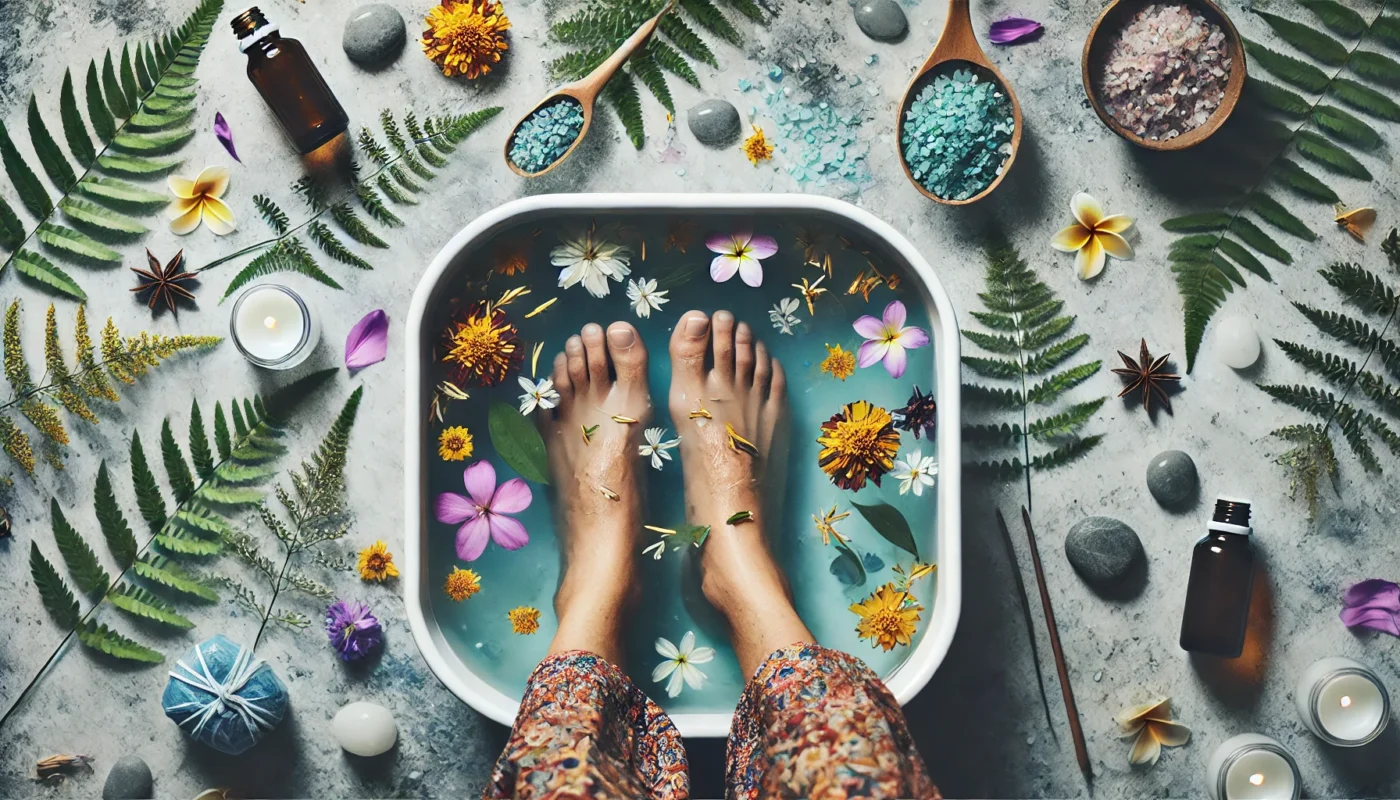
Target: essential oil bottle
(289, 83)
(1222, 579)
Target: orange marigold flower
(466, 38)
(757, 148)
(483, 346)
(524, 619)
(858, 443)
(462, 583)
(839, 363)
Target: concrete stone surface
(980, 723)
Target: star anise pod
(165, 282)
(1147, 374)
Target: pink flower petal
(869, 327)
(763, 246)
(480, 480)
(1013, 29)
(895, 315)
(368, 341)
(871, 352)
(512, 497)
(720, 243)
(224, 134)
(453, 508)
(1375, 619)
(473, 537)
(508, 532)
(1373, 604)
(723, 268)
(895, 361)
(750, 271)
(911, 338)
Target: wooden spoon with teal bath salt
(959, 123)
(553, 129)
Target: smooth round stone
(1102, 549)
(714, 121)
(130, 779)
(374, 35)
(881, 19)
(1236, 343)
(1171, 477)
(365, 729)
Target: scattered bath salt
(957, 134)
(1166, 71)
(546, 135)
(818, 137)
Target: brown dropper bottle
(289, 83)
(1221, 582)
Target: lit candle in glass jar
(272, 327)
(1253, 766)
(1343, 702)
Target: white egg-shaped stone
(1236, 343)
(365, 729)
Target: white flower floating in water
(915, 472)
(538, 394)
(680, 664)
(784, 314)
(1153, 726)
(591, 261)
(1093, 234)
(655, 447)
(644, 297)
(740, 252)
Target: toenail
(592, 328)
(696, 327)
(622, 338)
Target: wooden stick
(1030, 623)
(1081, 752)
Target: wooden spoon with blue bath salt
(583, 92)
(957, 45)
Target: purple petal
(1373, 604)
(895, 315)
(480, 480)
(473, 537)
(1372, 619)
(508, 532)
(720, 243)
(763, 246)
(895, 361)
(512, 497)
(869, 327)
(911, 338)
(368, 340)
(723, 268)
(225, 136)
(751, 272)
(453, 508)
(871, 352)
(1013, 29)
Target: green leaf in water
(889, 523)
(518, 443)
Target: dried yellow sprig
(826, 525)
(535, 359)
(511, 295)
(810, 291)
(660, 530)
(16, 444)
(539, 309)
(624, 420)
(59, 378)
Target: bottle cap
(1231, 515)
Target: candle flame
(270, 323)
(1346, 701)
(1257, 779)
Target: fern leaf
(1051, 388)
(176, 469)
(1301, 181)
(1387, 29)
(288, 255)
(11, 229)
(95, 216)
(140, 603)
(393, 191)
(201, 524)
(55, 594)
(105, 640)
(1355, 332)
(136, 166)
(1044, 334)
(995, 470)
(331, 245)
(1315, 148)
(222, 443)
(372, 148)
(687, 40)
(152, 142)
(128, 78)
(1362, 287)
(645, 69)
(1055, 355)
(199, 443)
(81, 561)
(621, 94)
(1346, 127)
(456, 128)
(75, 243)
(1065, 453)
(373, 205)
(1309, 462)
(1336, 17)
(748, 8)
(672, 61)
(1003, 434)
(148, 497)
(1066, 422)
(36, 267)
(987, 397)
(102, 122)
(1380, 68)
(1352, 430)
(231, 496)
(120, 192)
(272, 214)
(1274, 213)
(355, 227)
(1364, 98)
(1287, 68)
(112, 89)
(162, 571)
(1284, 101)
(1259, 240)
(51, 158)
(240, 426)
(992, 344)
(1194, 223)
(992, 367)
(1203, 288)
(31, 192)
(120, 540)
(1310, 40)
(712, 19)
(186, 546)
(1244, 258)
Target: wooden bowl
(1100, 39)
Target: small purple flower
(888, 338)
(353, 631)
(1373, 604)
(482, 511)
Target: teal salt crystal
(546, 135)
(957, 135)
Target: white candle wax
(272, 327)
(1342, 702)
(1252, 766)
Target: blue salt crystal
(872, 58)
(775, 73)
(744, 85)
(546, 135)
(957, 135)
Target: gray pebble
(714, 122)
(1171, 477)
(1102, 549)
(881, 19)
(130, 779)
(374, 35)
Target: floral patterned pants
(813, 723)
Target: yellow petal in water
(539, 309)
(624, 420)
(738, 442)
(660, 530)
(535, 358)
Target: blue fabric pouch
(224, 696)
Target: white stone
(365, 729)
(1236, 343)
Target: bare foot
(746, 390)
(601, 379)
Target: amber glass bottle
(1222, 579)
(289, 83)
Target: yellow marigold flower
(466, 38)
(482, 346)
(524, 619)
(839, 363)
(462, 583)
(455, 444)
(757, 148)
(858, 443)
(377, 563)
(887, 617)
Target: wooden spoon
(585, 90)
(958, 43)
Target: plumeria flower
(591, 261)
(740, 252)
(655, 447)
(1092, 235)
(915, 472)
(644, 297)
(888, 338)
(538, 394)
(483, 511)
(783, 315)
(680, 664)
(198, 201)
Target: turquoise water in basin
(478, 630)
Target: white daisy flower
(591, 261)
(915, 472)
(783, 315)
(655, 447)
(680, 664)
(644, 297)
(539, 394)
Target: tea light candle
(1343, 702)
(272, 327)
(1253, 766)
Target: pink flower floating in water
(888, 338)
(740, 252)
(1010, 30)
(482, 512)
(1373, 604)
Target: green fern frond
(1274, 213)
(115, 529)
(148, 497)
(1311, 461)
(621, 94)
(1346, 127)
(1299, 73)
(271, 213)
(1380, 68)
(1052, 388)
(199, 443)
(55, 594)
(977, 395)
(1319, 150)
(1362, 287)
(1198, 223)
(1364, 98)
(288, 255)
(1065, 422)
(161, 571)
(81, 561)
(106, 640)
(177, 470)
(1277, 98)
(141, 603)
(1303, 182)
(1311, 41)
(1255, 237)
(1069, 451)
(1336, 17)
(1242, 257)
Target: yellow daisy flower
(757, 148)
(887, 617)
(466, 38)
(839, 363)
(455, 444)
(377, 563)
(524, 619)
(462, 583)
